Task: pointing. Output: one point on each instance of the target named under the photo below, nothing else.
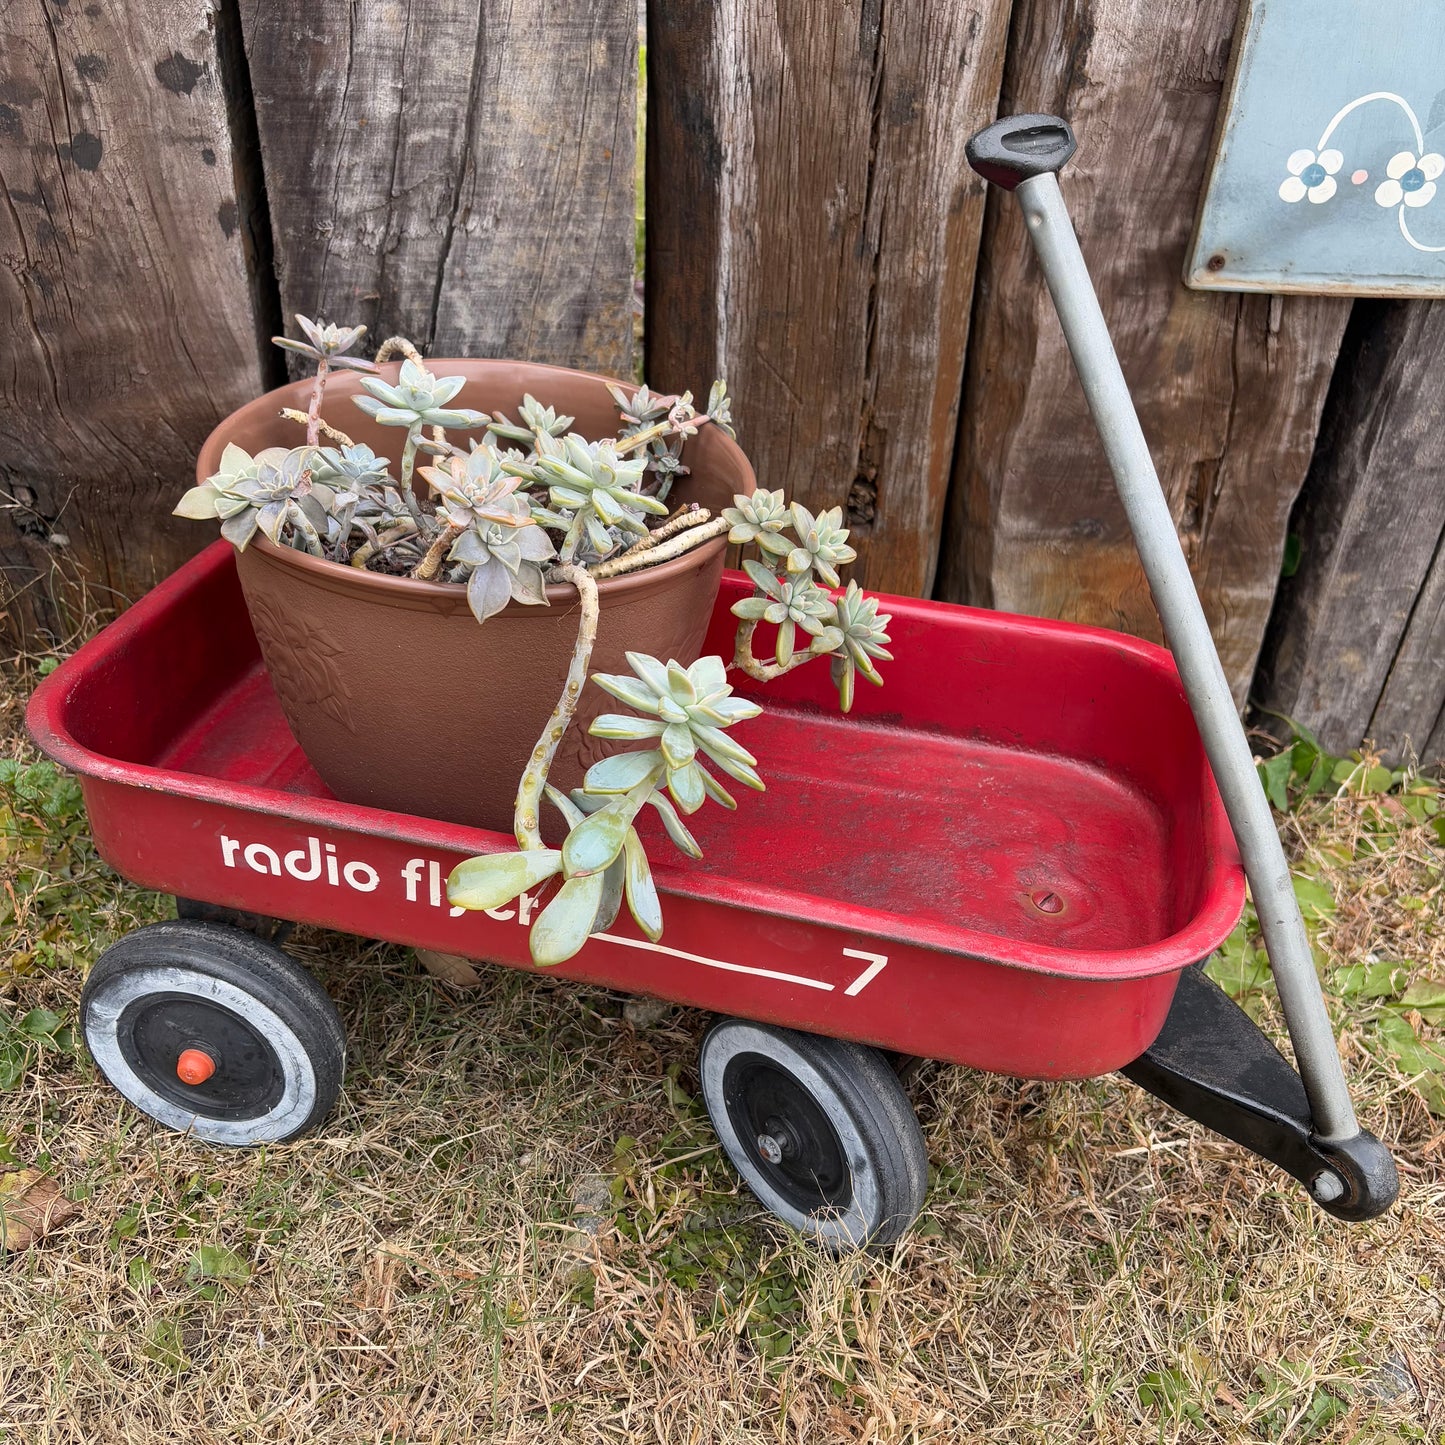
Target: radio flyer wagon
(1016, 857)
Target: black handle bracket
(1020, 147)
(1212, 1063)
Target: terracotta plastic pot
(397, 696)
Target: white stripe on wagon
(877, 962)
(715, 962)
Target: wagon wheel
(214, 1032)
(820, 1129)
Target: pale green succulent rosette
(761, 518)
(417, 399)
(822, 543)
(264, 493)
(537, 420)
(790, 602)
(687, 711)
(590, 489)
(862, 626)
(327, 344)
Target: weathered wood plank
(462, 174)
(1229, 388)
(812, 233)
(1356, 648)
(125, 309)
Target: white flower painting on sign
(1410, 176)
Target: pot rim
(450, 595)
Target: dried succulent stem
(527, 819)
(634, 561)
(744, 660)
(408, 461)
(430, 565)
(399, 533)
(398, 346)
(685, 517)
(331, 433)
(313, 412)
(659, 429)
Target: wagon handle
(1020, 147)
(1022, 154)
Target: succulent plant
(687, 710)
(505, 520)
(535, 418)
(822, 543)
(266, 492)
(791, 601)
(327, 343)
(762, 518)
(496, 545)
(417, 399)
(798, 545)
(857, 617)
(357, 468)
(665, 422)
(597, 490)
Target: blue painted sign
(1329, 164)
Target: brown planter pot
(397, 696)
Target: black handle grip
(1019, 147)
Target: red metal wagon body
(1004, 858)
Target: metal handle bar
(1022, 154)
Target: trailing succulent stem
(534, 776)
(531, 501)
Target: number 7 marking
(877, 962)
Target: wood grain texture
(1356, 648)
(462, 174)
(125, 309)
(1229, 388)
(812, 234)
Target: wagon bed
(1002, 858)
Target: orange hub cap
(194, 1067)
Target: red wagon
(1013, 857)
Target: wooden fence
(179, 176)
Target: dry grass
(517, 1228)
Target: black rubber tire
(277, 1041)
(851, 1167)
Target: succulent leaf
(565, 923)
(626, 729)
(622, 771)
(686, 786)
(493, 879)
(642, 899)
(676, 829)
(595, 842)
